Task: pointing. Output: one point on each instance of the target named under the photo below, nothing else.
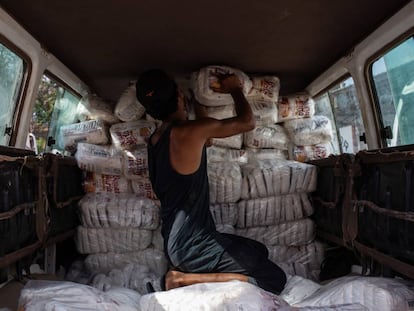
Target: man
(178, 173)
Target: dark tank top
(190, 237)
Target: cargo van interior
(352, 60)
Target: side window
(340, 104)
(55, 106)
(12, 69)
(393, 77)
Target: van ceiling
(108, 43)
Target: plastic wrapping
(295, 107)
(375, 293)
(135, 162)
(300, 269)
(298, 288)
(254, 154)
(111, 210)
(229, 296)
(308, 153)
(92, 132)
(336, 307)
(221, 112)
(234, 142)
(132, 276)
(157, 239)
(99, 159)
(205, 77)
(102, 240)
(310, 131)
(310, 255)
(225, 182)
(269, 136)
(224, 213)
(221, 154)
(129, 134)
(106, 183)
(128, 108)
(68, 296)
(273, 210)
(92, 107)
(266, 178)
(264, 111)
(153, 258)
(266, 87)
(143, 187)
(293, 233)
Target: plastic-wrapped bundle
(92, 132)
(41, 295)
(215, 296)
(295, 107)
(266, 178)
(135, 162)
(264, 111)
(273, 210)
(129, 134)
(157, 239)
(308, 153)
(254, 154)
(221, 154)
(225, 228)
(92, 107)
(375, 293)
(143, 187)
(224, 213)
(269, 136)
(293, 233)
(266, 87)
(225, 182)
(310, 131)
(106, 183)
(298, 288)
(98, 159)
(154, 259)
(311, 254)
(132, 276)
(297, 268)
(206, 77)
(118, 210)
(128, 108)
(235, 141)
(102, 240)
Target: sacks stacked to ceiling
(120, 224)
(254, 190)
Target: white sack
(310, 131)
(224, 213)
(92, 132)
(106, 183)
(221, 154)
(129, 134)
(41, 295)
(295, 107)
(102, 240)
(229, 296)
(143, 187)
(273, 210)
(135, 162)
(267, 136)
(225, 182)
(98, 159)
(293, 233)
(92, 107)
(308, 153)
(205, 77)
(254, 154)
(264, 111)
(298, 288)
(128, 108)
(266, 87)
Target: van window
(12, 69)
(393, 77)
(340, 104)
(55, 106)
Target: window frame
(23, 90)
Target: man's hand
(226, 83)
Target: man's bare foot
(173, 279)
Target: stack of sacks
(311, 135)
(120, 228)
(274, 209)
